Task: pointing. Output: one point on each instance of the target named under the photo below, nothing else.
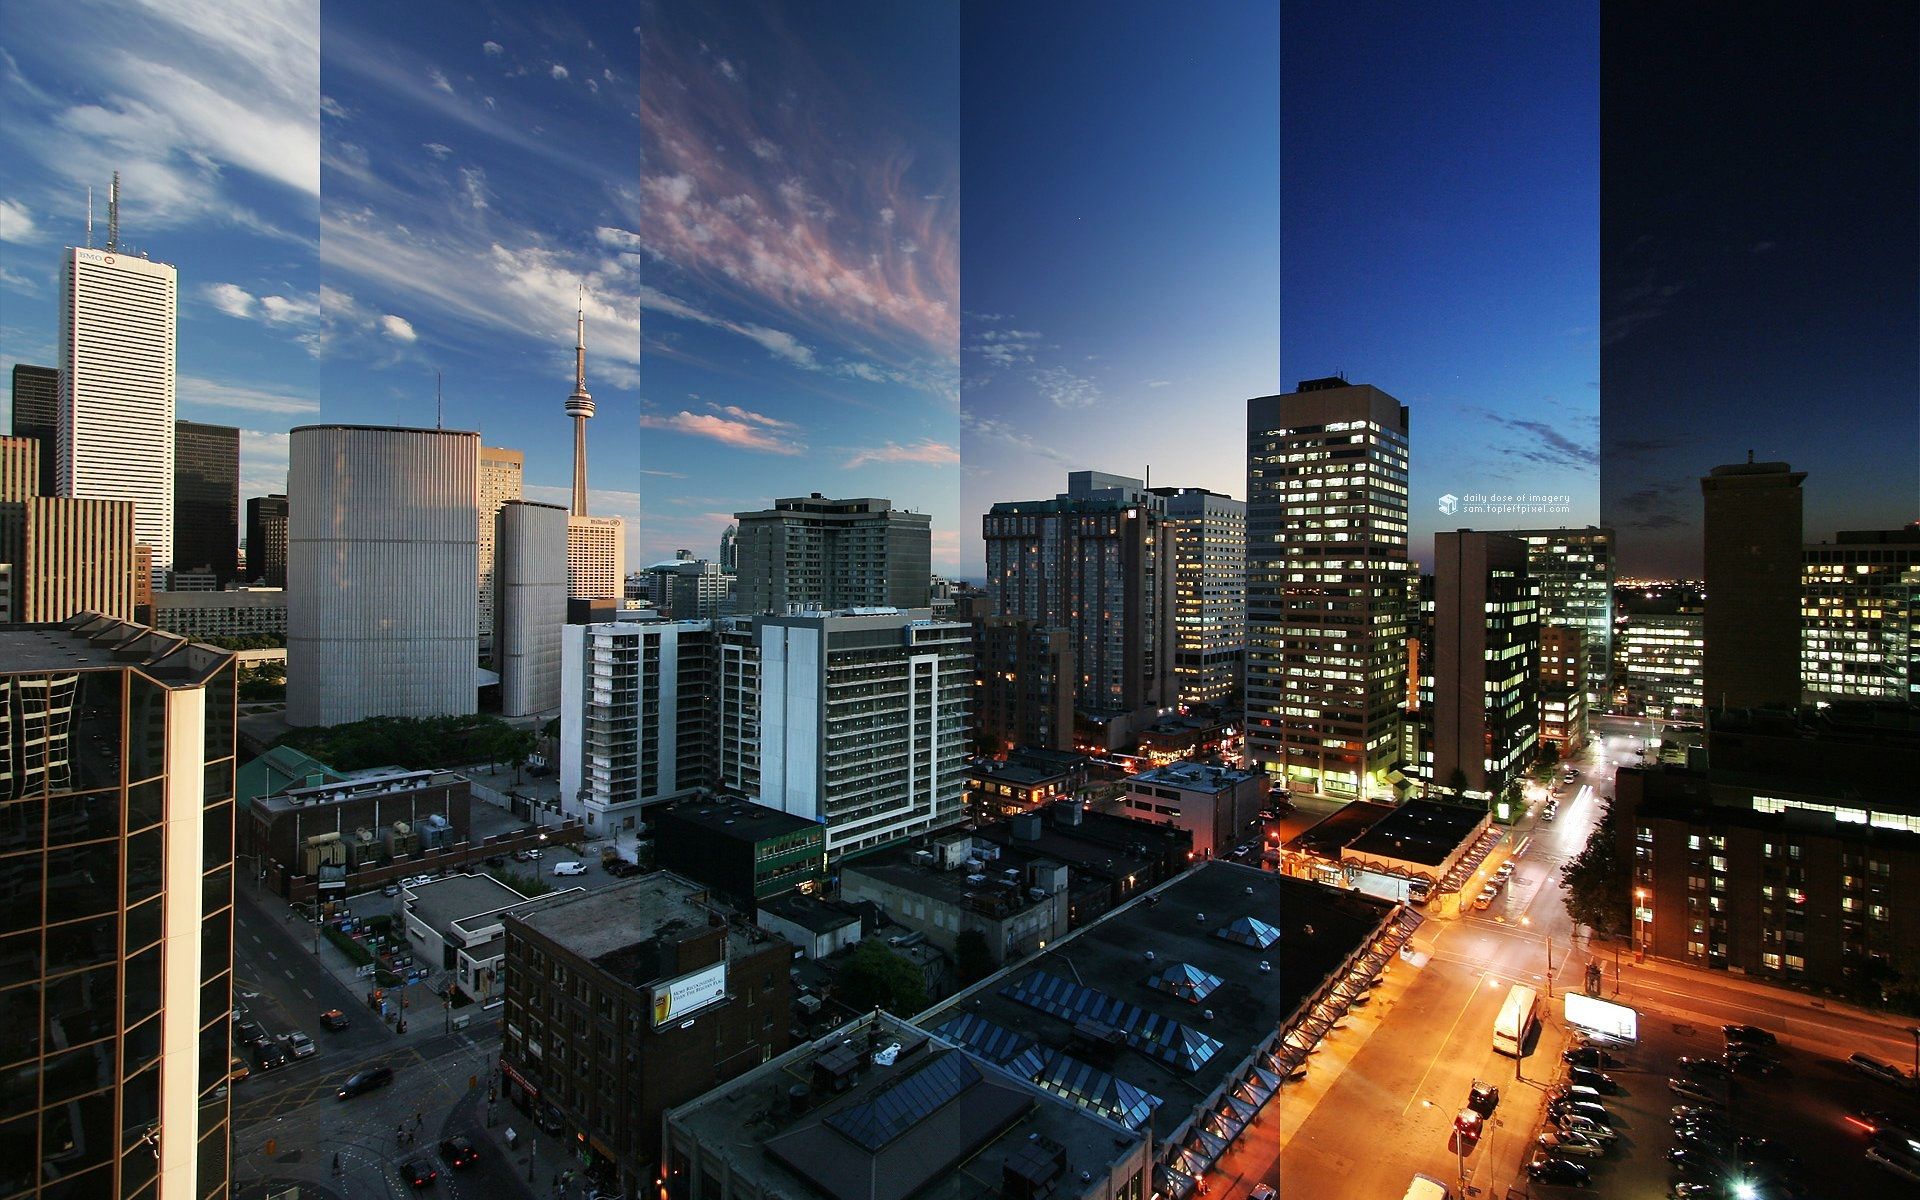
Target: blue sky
(1440, 187)
(1120, 244)
(427, 188)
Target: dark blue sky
(1761, 288)
(1439, 237)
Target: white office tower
(636, 715)
(596, 558)
(529, 604)
(858, 719)
(114, 429)
(382, 571)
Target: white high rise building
(500, 474)
(114, 428)
(596, 558)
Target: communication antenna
(439, 410)
(113, 215)
(89, 216)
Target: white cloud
(558, 71)
(16, 223)
(398, 328)
(492, 49)
(289, 310)
(437, 149)
(473, 185)
(193, 390)
(731, 425)
(231, 299)
(438, 79)
(925, 452)
(1066, 389)
(333, 108)
(1007, 435)
(764, 150)
(263, 463)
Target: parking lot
(1781, 1135)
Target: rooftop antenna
(439, 409)
(113, 215)
(89, 216)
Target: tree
(971, 958)
(876, 977)
(1597, 883)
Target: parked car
(237, 1069)
(366, 1081)
(1877, 1121)
(1694, 1089)
(1571, 1145)
(1696, 1162)
(1547, 1169)
(1505, 870)
(420, 1173)
(1698, 1112)
(334, 1019)
(496, 860)
(1766, 1152)
(620, 868)
(1885, 1072)
(1485, 899)
(533, 855)
(1483, 1098)
(1467, 1124)
(1748, 1035)
(1263, 1191)
(298, 1044)
(269, 1056)
(1576, 1123)
(458, 1152)
(1589, 1056)
(569, 868)
(1752, 1062)
(1599, 1081)
(1703, 1068)
(1594, 1112)
(249, 1033)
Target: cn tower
(580, 407)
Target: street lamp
(1548, 938)
(1639, 924)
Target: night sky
(1760, 254)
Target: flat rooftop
(1338, 829)
(454, 897)
(740, 820)
(1016, 773)
(898, 868)
(90, 642)
(1195, 777)
(811, 913)
(625, 928)
(1210, 927)
(936, 1123)
(1420, 831)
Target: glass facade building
(116, 912)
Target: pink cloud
(747, 431)
(925, 451)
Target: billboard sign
(680, 997)
(1603, 1016)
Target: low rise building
(327, 837)
(1421, 839)
(1004, 789)
(1182, 1011)
(1110, 859)
(1563, 689)
(456, 926)
(883, 1110)
(625, 1002)
(817, 926)
(747, 852)
(1216, 804)
(241, 613)
(1018, 905)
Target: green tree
(1597, 883)
(971, 958)
(876, 977)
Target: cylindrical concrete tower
(382, 569)
(580, 407)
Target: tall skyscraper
(1096, 561)
(116, 773)
(1754, 550)
(730, 550)
(206, 499)
(530, 605)
(500, 475)
(1563, 688)
(382, 571)
(832, 554)
(267, 540)
(1855, 639)
(115, 434)
(579, 408)
(36, 415)
(1486, 703)
(1573, 573)
(1209, 594)
(1326, 585)
(67, 556)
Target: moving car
(419, 1173)
(1748, 1035)
(569, 868)
(298, 1044)
(1752, 1062)
(1873, 1068)
(366, 1081)
(1546, 1169)
(458, 1152)
(333, 1018)
(269, 1056)
(1876, 1121)
(249, 1033)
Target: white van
(1426, 1187)
(569, 868)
